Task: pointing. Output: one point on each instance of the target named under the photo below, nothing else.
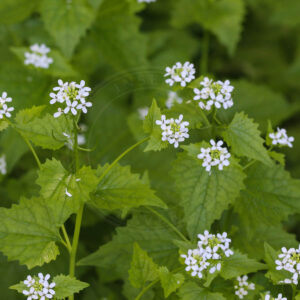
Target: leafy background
(121, 47)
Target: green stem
(79, 214)
(204, 117)
(150, 285)
(28, 144)
(75, 148)
(249, 164)
(294, 287)
(67, 240)
(165, 220)
(32, 150)
(205, 50)
(120, 157)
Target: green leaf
(57, 185)
(149, 232)
(13, 11)
(3, 124)
(170, 282)
(121, 189)
(243, 136)
(239, 264)
(117, 36)
(59, 68)
(204, 196)
(66, 286)
(27, 115)
(223, 18)
(67, 22)
(270, 196)
(252, 241)
(260, 102)
(150, 127)
(28, 232)
(191, 291)
(47, 131)
(142, 269)
(286, 13)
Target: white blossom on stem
(289, 260)
(214, 94)
(5, 110)
(207, 257)
(214, 156)
(172, 99)
(38, 56)
(279, 297)
(39, 287)
(242, 286)
(72, 96)
(180, 73)
(281, 138)
(173, 130)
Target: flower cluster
(72, 95)
(289, 260)
(214, 156)
(4, 109)
(173, 98)
(180, 73)
(38, 57)
(208, 255)
(281, 138)
(243, 286)
(3, 170)
(173, 131)
(214, 93)
(143, 112)
(39, 288)
(279, 297)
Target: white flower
(72, 96)
(241, 292)
(143, 112)
(173, 98)
(281, 138)
(39, 287)
(179, 73)
(4, 99)
(173, 131)
(214, 156)
(146, 1)
(38, 57)
(243, 286)
(207, 257)
(3, 170)
(68, 194)
(212, 93)
(4, 109)
(71, 106)
(279, 297)
(289, 260)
